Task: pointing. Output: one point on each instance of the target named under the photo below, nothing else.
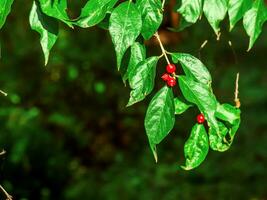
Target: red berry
(200, 119)
(165, 77)
(170, 68)
(171, 81)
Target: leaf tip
(154, 151)
(155, 156)
(186, 168)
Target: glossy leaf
(94, 12)
(5, 8)
(228, 113)
(141, 79)
(231, 115)
(237, 9)
(46, 26)
(190, 11)
(125, 26)
(56, 9)
(254, 19)
(160, 117)
(202, 96)
(196, 147)
(138, 54)
(151, 16)
(215, 12)
(217, 140)
(192, 67)
(180, 106)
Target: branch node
(164, 52)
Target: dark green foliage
(69, 136)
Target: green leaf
(192, 67)
(202, 96)
(230, 121)
(196, 147)
(138, 54)
(160, 117)
(180, 106)
(5, 8)
(227, 113)
(125, 26)
(254, 20)
(94, 12)
(215, 12)
(191, 11)
(237, 9)
(217, 140)
(141, 79)
(151, 15)
(46, 26)
(230, 114)
(56, 9)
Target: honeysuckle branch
(237, 100)
(8, 196)
(164, 52)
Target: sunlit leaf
(237, 9)
(5, 7)
(46, 26)
(141, 79)
(56, 9)
(180, 106)
(215, 12)
(192, 67)
(217, 140)
(160, 117)
(196, 147)
(151, 15)
(190, 11)
(202, 96)
(254, 19)
(125, 26)
(138, 54)
(94, 12)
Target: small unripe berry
(171, 82)
(200, 118)
(165, 77)
(170, 68)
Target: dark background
(68, 134)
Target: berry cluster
(200, 118)
(169, 77)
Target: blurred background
(68, 134)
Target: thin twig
(3, 93)
(237, 101)
(202, 47)
(164, 52)
(163, 3)
(218, 36)
(8, 196)
(233, 50)
(2, 152)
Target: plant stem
(3, 93)
(2, 152)
(8, 197)
(237, 101)
(164, 52)
(163, 3)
